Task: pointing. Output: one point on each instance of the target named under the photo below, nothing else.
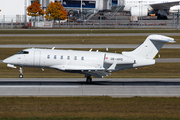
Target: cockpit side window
(23, 52)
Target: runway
(116, 87)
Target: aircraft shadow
(100, 83)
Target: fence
(18, 21)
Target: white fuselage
(90, 63)
(138, 3)
(143, 6)
(74, 60)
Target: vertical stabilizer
(150, 47)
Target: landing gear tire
(162, 17)
(89, 80)
(20, 76)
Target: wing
(165, 5)
(98, 74)
(87, 70)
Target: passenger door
(37, 55)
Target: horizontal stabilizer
(161, 38)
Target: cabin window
(54, 56)
(75, 58)
(68, 57)
(82, 58)
(61, 56)
(48, 56)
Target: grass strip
(159, 70)
(89, 108)
(78, 40)
(92, 118)
(164, 53)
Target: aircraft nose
(5, 61)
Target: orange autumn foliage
(56, 11)
(35, 9)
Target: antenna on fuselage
(90, 50)
(107, 49)
(53, 48)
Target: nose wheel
(21, 72)
(89, 79)
(20, 76)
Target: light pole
(25, 22)
(178, 20)
(81, 9)
(139, 13)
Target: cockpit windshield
(23, 52)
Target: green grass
(159, 70)
(93, 118)
(90, 108)
(84, 31)
(78, 40)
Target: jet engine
(139, 11)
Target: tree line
(55, 11)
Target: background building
(15, 9)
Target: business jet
(161, 8)
(90, 63)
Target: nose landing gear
(21, 72)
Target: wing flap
(90, 71)
(98, 74)
(71, 67)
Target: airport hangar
(18, 7)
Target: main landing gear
(88, 79)
(162, 17)
(21, 72)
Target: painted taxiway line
(38, 86)
(112, 95)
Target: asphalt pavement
(115, 87)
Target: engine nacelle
(139, 11)
(174, 9)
